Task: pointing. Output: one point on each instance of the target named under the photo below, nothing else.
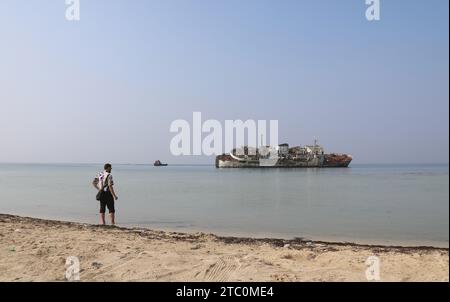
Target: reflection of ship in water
(282, 156)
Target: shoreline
(373, 242)
(338, 240)
(273, 239)
(111, 253)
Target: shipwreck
(282, 156)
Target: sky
(107, 88)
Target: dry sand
(36, 250)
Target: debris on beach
(97, 265)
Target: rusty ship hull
(284, 157)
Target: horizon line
(204, 164)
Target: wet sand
(36, 250)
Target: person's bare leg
(112, 216)
(102, 218)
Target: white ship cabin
(316, 149)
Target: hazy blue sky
(107, 88)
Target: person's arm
(95, 183)
(111, 189)
(111, 186)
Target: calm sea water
(387, 204)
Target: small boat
(158, 163)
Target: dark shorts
(107, 201)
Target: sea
(404, 205)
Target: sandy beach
(36, 250)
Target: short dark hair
(107, 166)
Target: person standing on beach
(104, 181)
